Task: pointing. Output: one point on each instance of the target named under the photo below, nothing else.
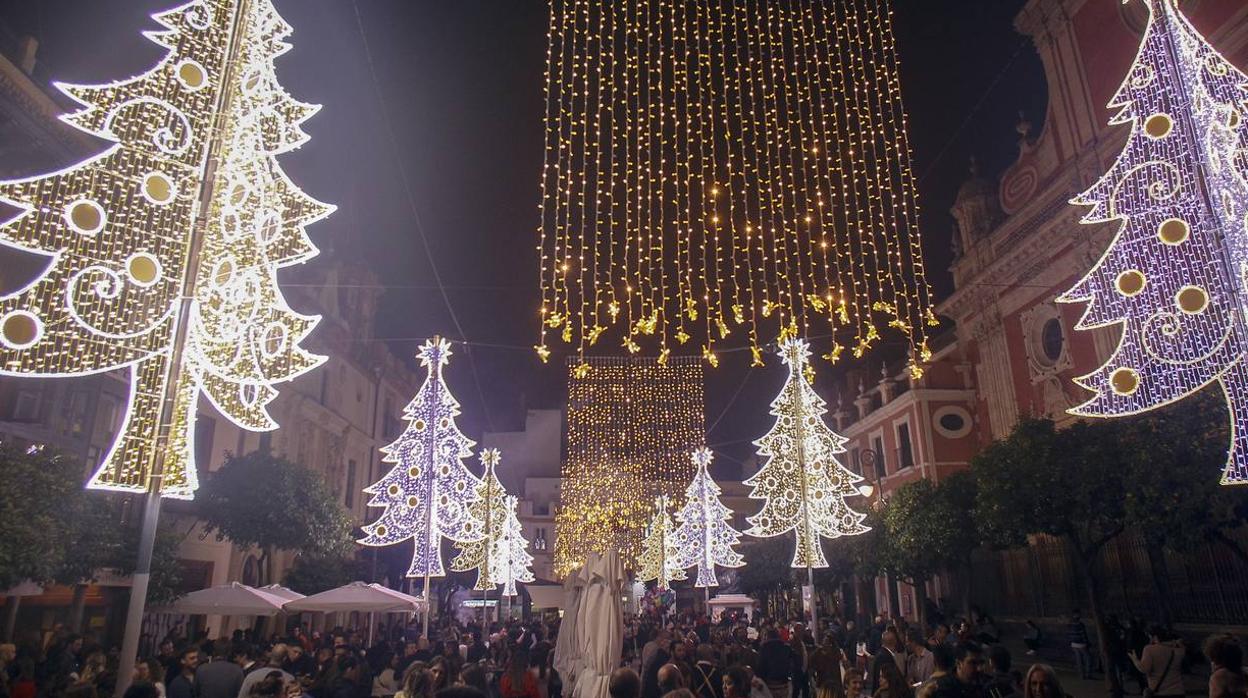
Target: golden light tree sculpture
(490, 509)
(660, 554)
(163, 250)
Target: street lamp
(866, 460)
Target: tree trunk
(11, 607)
(1160, 578)
(76, 607)
(968, 580)
(1086, 566)
(920, 600)
(894, 603)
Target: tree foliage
(54, 530)
(313, 573)
(268, 502)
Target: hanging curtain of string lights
(631, 427)
(715, 167)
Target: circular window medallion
(20, 329)
(952, 421)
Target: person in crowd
(650, 672)
(892, 683)
(440, 669)
(801, 661)
(708, 680)
(254, 672)
(942, 666)
(1161, 664)
(473, 674)
(736, 682)
(624, 683)
(220, 677)
(825, 666)
(518, 681)
(920, 663)
(477, 650)
(417, 682)
(670, 678)
(298, 662)
(682, 657)
(182, 685)
(270, 685)
(889, 653)
(1032, 637)
(965, 680)
(81, 690)
(855, 684)
(741, 651)
(1001, 682)
(775, 664)
(245, 657)
(1077, 636)
(386, 681)
(1042, 682)
(1226, 661)
(347, 684)
(141, 689)
(460, 691)
(151, 671)
(875, 635)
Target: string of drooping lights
(631, 426)
(715, 166)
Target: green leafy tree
(314, 573)
(1070, 484)
(263, 501)
(767, 575)
(34, 535)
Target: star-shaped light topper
(795, 352)
(435, 351)
(702, 457)
(491, 457)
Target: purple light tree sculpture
(1174, 275)
(704, 537)
(428, 494)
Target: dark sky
(452, 128)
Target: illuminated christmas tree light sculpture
(1174, 275)
(163, 250)
(512, 561)
(802, 484)
(659, 555)
(490, 510)
(704, 537)
(429, 493)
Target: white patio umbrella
(358, 596)
(282, 592)
(231, 599)
(566, 660)
(600, 626)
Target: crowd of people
(664, 657)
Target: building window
(349, 498)
(905, 452)
(107, 415)
(76, 414)
(26, 407)
(881, 468)
(952, 422)
(1052, 339)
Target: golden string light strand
(757, 155)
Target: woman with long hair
(517, 680)
(1042, 682)
(892, 684)
(417, 682)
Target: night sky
(443, 126)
